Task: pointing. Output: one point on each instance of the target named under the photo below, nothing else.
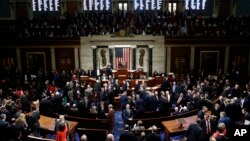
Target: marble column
(150, 60)
(76, 54)
(111, 57)
(94, 58)
(192, 54)
(226, 59)
(134, 58)
(53, 58)
(248, 61)
(168, 59)
(18, 57)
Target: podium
(88, 80)
(121, 78)
(84, 78)
(122, 72)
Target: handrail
(33, 138)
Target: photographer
(60, 130)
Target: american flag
(122, 55)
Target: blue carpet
(119, 126)
(118, 129)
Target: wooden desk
(48, 124)
(171, 127)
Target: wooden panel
(8, 60)
(72, 6)
(32, 59)
(180, 61)
(238, 59)
(21, 10)
(65, 59)
(224, 8)
(209, 54)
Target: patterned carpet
(118, 129)
(119, 126)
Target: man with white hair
(110, 137)
(84, 137)
(153, 136)
(59, 121)
(88, 91)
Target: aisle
(119, 126)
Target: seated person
(138, 126)
(176, 111)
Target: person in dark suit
(124, 86)
(123, 100)
(108, 70)
(137, 87)
(97, 86)
(224, 119)
(165, 86)
(194, 132)
(90, 72)
(208, 126)
(34, 121)
(201, 113)
(46, 107)
(4, 125)
(127, 135)
(155, 101)
(165, 104)
(127, 114)
(139, 104)
(13, 131)
(153, 136)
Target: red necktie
(208, 127)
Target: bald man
(110, 137)
(84, 137)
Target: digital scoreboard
(45, 5)
(97, 5)
(148, 4)
(203, 7)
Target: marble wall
(142, 58)
(102, 55)
(156, 43)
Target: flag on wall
(122, 58)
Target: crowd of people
(107, 23)
(23, 100)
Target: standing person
(34, 121)
(61, 134)
(127, 114)
(110, 137)
(84, 137)
(194, 132)
(153, 136)
(208, 126)
(60, 121)
(111, 117)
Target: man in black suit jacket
(137, 87)
(4, 125)
(202, 112)
(194, 132)
(127, 135)
(153, 136)
(46, 107)
(139, 104)
(34, 121)
(208, 126)
(123, 100)
(127, 114)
